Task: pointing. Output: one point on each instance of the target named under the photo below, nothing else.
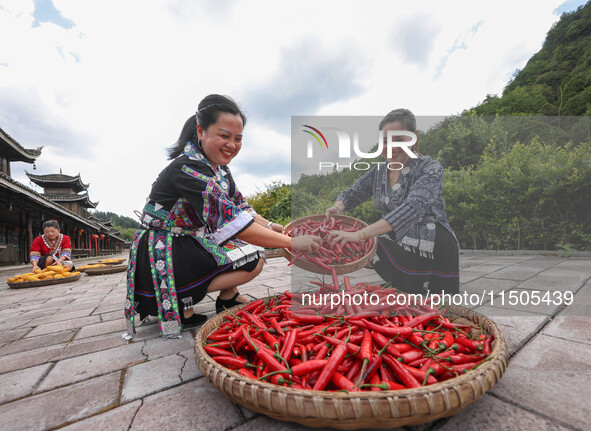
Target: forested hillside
(126, 225)
(556, 80)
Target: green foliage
(460, 140)
(534, 196)
(120, 221)
(557, 79)
(274, 203)
(126, 233)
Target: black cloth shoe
(194, 320)
(224, 304)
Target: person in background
(198, 233)
(51, 248)
(417, 249)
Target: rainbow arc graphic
(317, 134)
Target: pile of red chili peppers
(375, 349)
(328, 254)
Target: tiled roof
(18, 152)
(72, 197)
(16, 186)
(45, 180)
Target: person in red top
(51, 248)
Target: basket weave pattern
(25, 284)
(340, 269)
(111, 269)
(385, 409)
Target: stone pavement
(64, 365)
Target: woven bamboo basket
(113, 262)
(83, 269)
(385, 409)
(340, 269)
(25, 284)
(111, 269)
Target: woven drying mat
(40, 283)
(346, 268)
(355, 410)
(82, 269)
(114, 262)
(111, 269)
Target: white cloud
(107, 96)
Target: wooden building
(23, 210)
(65, 190)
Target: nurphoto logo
(402, 139)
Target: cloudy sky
(106, 85)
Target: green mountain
(556, 80)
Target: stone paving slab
(18, 384)
(550, 376)
(79, 368)
(517, 330)
(63, 325)
(102, 328)
(118, 419)
(25, 344)
(140, 382)
(85, 346)
(62, 406)
(63, 362)
(193, 406)
(493, 413)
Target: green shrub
(533, 196)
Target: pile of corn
(90, 266)
(112, 261)
(49, 273)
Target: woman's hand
(343, 237)
(337, 208)
(305, 243)
(276, 227)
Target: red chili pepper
(253, 305)
(411, 355)
(375, 381)
(215, 351)
(372, 369)
(401, 373)
(276, 326)
(264, 354)
(421, 319)
(365, 352)
(447, 341)
(230, 362)
(390, 331)
(487, 347)
(329, 369)
(289, 344)
(470, 344)
(420, 375)
(385, 373)
(342, 382)
(244, 372)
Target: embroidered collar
(195, 153)
(54, 246)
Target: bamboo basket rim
(356, 410)
(82, 269)
(25, 284)
(346, 268)
(118, 261)
(109, 269)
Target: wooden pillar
(29, 234)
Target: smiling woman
(198, 233)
